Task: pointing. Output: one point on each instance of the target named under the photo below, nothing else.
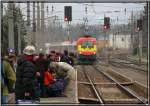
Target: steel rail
(93, 86)
(121, 86)
(136, 62)
(125, 65)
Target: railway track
(96, 86)
(129, 60)
(120, 64)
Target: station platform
(70, 92)
(57, 100)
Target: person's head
(29, 52)
(71, 54)
(53, 66)
(11, 51)
(65, 52)
(11, 55)
(52, 52)
(57, 56)
(41, 52)
(41, 55)
(52, 55)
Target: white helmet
(29, 50)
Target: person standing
(42, 66)
(26, 86)
(12, 59)
(8, 79)
(66, 58)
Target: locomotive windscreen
(87, 44)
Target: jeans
(4, 99)
(57, 88)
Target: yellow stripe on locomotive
(86, 49)
(81, 49)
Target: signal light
(139, 24)
(66, 19)
(106, 22)
(68, 13)
(105, 27)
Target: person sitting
(54, 86)
(48, 81)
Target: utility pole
(28, 23)
(19, 38)
(11, 26)
(132, 29)
(124, 26)
(38, 17)
(1, 27)
(34, 26)
(42, 25)
(38, 27)
(113, 32)
(42, 17)
(47, 28)
(52, 23)
(68, 18)
(19, 34)
(68, 32)
(140, 46)
(86, 20)
(125, 38)
(104, 37)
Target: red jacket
(48, 78)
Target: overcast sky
(95, 11)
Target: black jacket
(67, 59)
(26, 80)
(42, 66)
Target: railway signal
(106, 22)
(68, 13)
(139, 24)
